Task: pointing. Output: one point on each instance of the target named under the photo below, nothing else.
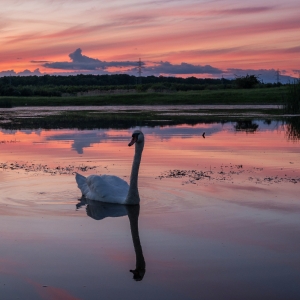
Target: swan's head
(137, 137)
(138, 274)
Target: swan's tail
(82, 184)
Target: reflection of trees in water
(90, 121)
(249, 126)
(246, 125)
(267, 122)
(292, 131)
(99, 210)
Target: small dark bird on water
(203, 134)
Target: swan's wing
(107, 188)
(82, 184)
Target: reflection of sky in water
(200, 241)
(84, 139)
(80, 139)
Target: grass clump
(5, 103)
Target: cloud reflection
(80, 139)
(84, 139)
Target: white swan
(112, 189)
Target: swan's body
(112, 189)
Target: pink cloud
(224, 35)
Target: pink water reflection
(233, 231)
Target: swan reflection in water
(100, 210)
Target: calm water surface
(224, 225)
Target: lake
(218, 218)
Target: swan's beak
(134, 139)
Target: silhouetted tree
(247, 82)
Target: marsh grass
(292, 98)
(6, 103)
(293, 129)
(225, 97)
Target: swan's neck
(133, 215)
(133, 192)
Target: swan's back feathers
(106, 188)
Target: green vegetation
(57, 86)
(6, 103)
(292, 98)
(122, 89)
(102, 80)
(247, 82)
(231, 96)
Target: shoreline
(143, 107)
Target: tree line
(55, 85)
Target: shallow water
(30, 111)
(119, 108)
(224, 225)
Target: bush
(247, 82)
(160, 87)
(26, 91)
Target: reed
(293, 129)
(292, 99)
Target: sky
(212, 38)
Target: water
(36, 111)
(219, 216)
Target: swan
(113, 189)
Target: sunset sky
(173, 38)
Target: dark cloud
(22, 73)
(8, 73)
(30, 73)
(39, 61)
(165, 67)
(82, 62)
